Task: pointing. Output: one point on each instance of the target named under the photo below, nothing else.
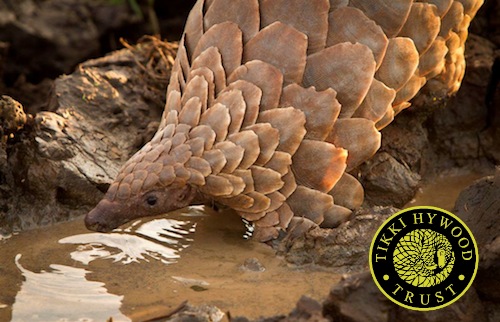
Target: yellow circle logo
(423, 258)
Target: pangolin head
(154, 181)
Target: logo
(423, 258)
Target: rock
(252, 265)
(357, 298)
(306, 310)
(479, 207)
(388, 182)
(63, 28)
(12, 116)
(189, 313)
(344, 248)
(59, 167)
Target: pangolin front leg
(271, 104)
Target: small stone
(252, 265)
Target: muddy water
(146, 269)
(443, 190)
(66, 273)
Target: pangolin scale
(271, 104)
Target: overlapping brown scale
(442, 5)
(196, 178)
(172, 118)
(136, 186)
(432, 61)
(385, 120)
(191, 112)
(285, 11)
(182, 175)
(194, 27)
(197, 87)
(280, 162)
(389, 14)
(246, 175)
(123, 192)
(452, 19)
(232, 153)
(206, 74)
(320, 108)
(249, 141)
(199, 164)
(236, 182)
(309, 203)
(285, 215)
(422, 26)
(173, 101)
(244, 13)
(471, 6)
(217, 186)
(178, 139)
(264, 234)
(347, 68)
(197, 146)
(349, 24)
(184, 65)
(277, 200)
(318, 165)
(271, 219)
(268, 141)
(335, 216)
(377, 102)
(151, 180)
(291, 125)
(167, 132)
(348, 192)
(167, 175)
(210, 58)
(398, 108)
(227, 38)
(358, 136)
(216, 159)
(399, 64)
(266, 180)
(235, 103)
(265, 76)
(289, 184)
(260, 205)
(335, 4)
(240, 202)
(218, 119)
(251, 95)
(206, 133)
(272, 45)
(409, 90)
(181, 153)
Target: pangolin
(272, 103)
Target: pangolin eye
(151, 200)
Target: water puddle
(58, 295)
(67, 273)
(442, 191)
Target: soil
(91, 100)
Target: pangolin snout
(102, 217)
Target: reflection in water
(160, 239)
(63, 294)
